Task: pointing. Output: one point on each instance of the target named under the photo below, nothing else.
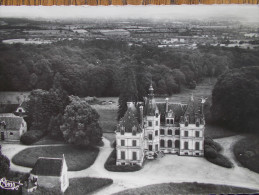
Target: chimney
(166, 107)
(141, 116)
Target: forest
(97, 67)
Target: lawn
(247, 152)
(185, 188)
(77, 159)
(47, 140)
(215, 132)
(108, 119)
(85, 185)
(110, 136)
(13, 97)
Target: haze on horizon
(242, 13)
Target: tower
(151, 125)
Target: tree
(80, 124)
(128, 91)
(54, 126)
(43, 105)
(235, 99)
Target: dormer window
(122, 130)
(156, 115)
(167, 121)
(134, 130)
(172, 121)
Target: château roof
(193, 107)
(48, 166)
(178, 110)
(129, 120)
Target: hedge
(221, 161)
(212, 143)
(110, 165)
(31, 137)
(211, 153)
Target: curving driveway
(170, 168)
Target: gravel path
(170, 168)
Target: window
(177, 144)
(156, 147)
(162, 132)
(170, 132)
(177, 132)
(150, 147)
(185, 133)
(11, 133)
(167, 121)
(156, 133)
(156, 123)
(197, 146)
(134, 143)
(172, 121)
(122, 142)
(134, 155)
(186, 145)
(169, 143)
(156, 115)
(197, 134)
(123, 155)
(162, 143)
(20, 110)
(150, 137)
(150, 123)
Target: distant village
(167, 34)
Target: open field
(247, 152)
(77, 159)
(185, 188)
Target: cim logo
(9, 185)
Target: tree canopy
(235, 99)
(80, 124)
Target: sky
(243, 13)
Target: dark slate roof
(130, 120)
(178, 110)
(12, 122)
(194, 107)
(8, 108)
(48, 166)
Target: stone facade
(163, 127)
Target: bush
(208, 141)
(221, 161)
(110, 165)
(246, 152)
(31, 137)
(210, 152)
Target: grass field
(247, 152)
(47, 140)
(215, 132)
(77, 159)
(186, 188)
(108, 119)
(110, 137)
(85, 185)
